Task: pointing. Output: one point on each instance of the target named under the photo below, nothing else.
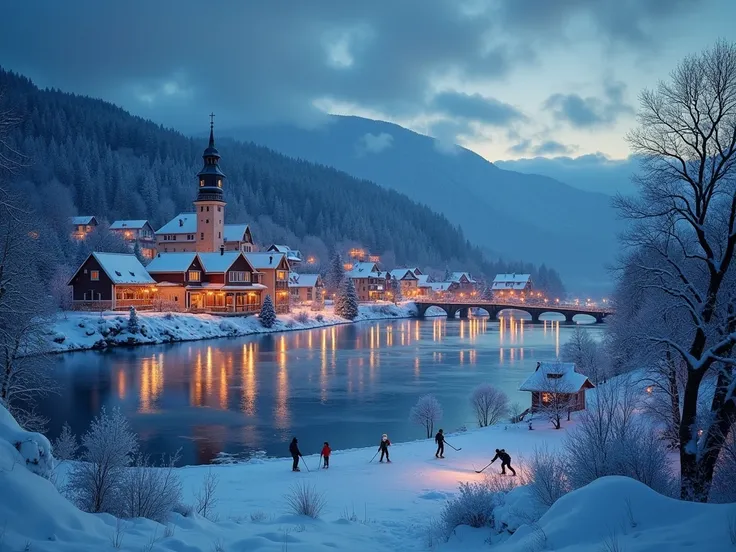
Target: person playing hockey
(505, 461)
(295, 454)
(326, 450)
(440, 440)
(383, 447)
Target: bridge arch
(508, 311)
(449, 310)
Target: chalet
(511, 284)
(179, 234)
(305, 288)
(137, 232)
(274, 269)
(443, 290)
(81, 226)
(408, 281)
(294, 256)
(208, 282)
(108, 281)
(424, 284)
(465, 282)
(555, 383)
(370, 282)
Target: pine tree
(133, 326)
(396, 290)
(268, 313)
(335, 274)
(139, 254)
(448, 274)
(346, 304)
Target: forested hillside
(87, 156)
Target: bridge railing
(521, 305)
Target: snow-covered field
(369, 506)
(75, 331)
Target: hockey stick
(304, 462)
(453, 448)
(374, 456)
(481, 471)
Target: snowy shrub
(426, 413)
(548, 480)
(515, 411)
(302, 318)
(268, 313)
(205, 497)
(150, 492)
(108, 448)
(319, 318)
(304, 500)
(133, 321)
(66, 445)
(59, 338)
(346, 303)
(474, 507)
(489, 404)
(32, 449)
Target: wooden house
(294, 256)
(305, 288)
(466, 284)
(82, 225)
(274, 269)
(556, 383)
(511, 284)
(408, 281)
(137, 232)
(370, 283)
(180, 235)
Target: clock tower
(210, 203)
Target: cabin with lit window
(424, 284)
(466, 284)
(82, 226)
(510, 285)
(553, 382)
(305, 288)
(274, 269)
(294, 256)
(408, 281)
(138, 232)
(371, 283)
(109, 281)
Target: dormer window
(201, 182)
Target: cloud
(590, 112)
(474, 107)
(548, 147)
(374, 143)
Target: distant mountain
(511, 214)
(592, 173)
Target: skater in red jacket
(326, 450)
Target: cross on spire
(212, 130)
(212, 119)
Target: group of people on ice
(383, 446)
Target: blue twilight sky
(508, 79)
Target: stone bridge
(493, 308)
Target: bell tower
(210, 203)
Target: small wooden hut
(556, 383)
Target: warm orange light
(649, 389)
(209, 293)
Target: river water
(343, 384)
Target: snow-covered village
(418, 276)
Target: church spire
(212, 130)
(211, 177)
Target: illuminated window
(546, 398)
(219, 182)
(281, 275)
(195, 276)
(239, 276)
(94, 275)
(201, 181)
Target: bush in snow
(108, 448)
(426, 413)
(346, 304)
(302, 318)
(133, 321)
(395, 287)
(319, 317)
(66, 445)
(29, 449)
(473, 506)
(489, 404)
(206, 500)
(150, 492)
(268, 313)
(547, 475)
(304, 500)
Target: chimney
(222, 250)
(159, 254)
(181, 222)
(270, 259)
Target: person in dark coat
(505, 461)
(383, 447)
(440, 440)
(295, 454)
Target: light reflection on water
(345, 384)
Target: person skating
(440, 440)
(383, 447)
(326, 450)
(295, 454)
(505, 461)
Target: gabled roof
(83, 219)
(457, 276)
(294, 255)
(183, 223)
(218, 262)
(171, 262)
(440, 286)
(265, 259)
(121, 268)
(235, 232)
(556, 377)
(365, 270)
(303, 280)
(424, 280)
(128, 224)
(417, 272)
(510, 281)
(403, 274)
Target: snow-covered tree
(486, 293)
(682, 244)
(150, 491)
(395, 288)
(559, 403)
(489, 404)
(139, 253)
(108, 448)
(318, 302)
(448, 275)
(133, 326)
(426, 413)
(268, 313)
(59, 288)
(65, 447)
(585, 352)
(346, 304)
(335, 274)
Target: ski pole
(476, 471)
(453, 448)
(374, 457)
(304, 462)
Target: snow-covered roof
(556, 377)
(183, 223)
(457, 276)
(303, 280)
(123, 268)
(510, 281)
(235, 232)
(264, 259)
(363, 268)
(440, 286)
(293, 255)
(83, 219)
(424, 280)
(171, 262)
(126, 224)
(403, 274)
(417, 271)
(218, 262)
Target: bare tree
(684, 237)
(59, 288)
(585, 352)
(556, 402)
(490, 404)
(426, 413)
(151, 492)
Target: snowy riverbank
(77, 331)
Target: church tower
(210, 203)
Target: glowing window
(94, 275)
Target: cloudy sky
(509, 79)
